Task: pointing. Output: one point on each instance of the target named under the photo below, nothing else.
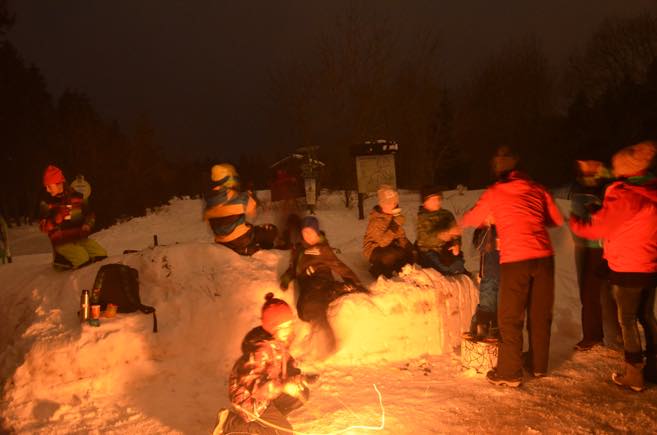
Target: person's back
(522, 210)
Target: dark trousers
(525, 286)
(636, 303)
(274, 415)
(257, 238)
(591, 286)
(387, 260)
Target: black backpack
(119, 285)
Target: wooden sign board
(373, 171)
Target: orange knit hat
(634, 160)
(274, 313)
(53, 175)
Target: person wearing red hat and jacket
(522, 210)
(66, 218)
(627, 225)
(265, 384)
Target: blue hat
(310, 222)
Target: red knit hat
(53, 175)
(274, 313)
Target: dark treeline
(362, 85)
(361, 82)
(127, 170)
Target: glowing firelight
(341, 431)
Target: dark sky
(200, 68)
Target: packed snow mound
(207, 298)
(58, 376)
(417, 313)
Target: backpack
(119, 285)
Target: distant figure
(265, 384)
(385, 244)
(313, 264)
(438, 235)
(226, 210)
(522, 210)
(627, 225)
(285, 190)
(66, 218)
(598, 306)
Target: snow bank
(58, 376)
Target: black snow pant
(387, 260)
(272, 422)
(257, 238)
(315, 295)
(637, 303)
(525, 286)
(593, 294)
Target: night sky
(201, 69)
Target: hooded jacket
(522, 210)
(226, 210)
(382, 230)
(258, 375)
(627, 225)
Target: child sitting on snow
(438, 235)
(385, 244)
(265, 384)
(226, 210)
(312, 264)
(66, 218)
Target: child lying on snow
(265, 385)
(312, 263)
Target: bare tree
(621, 50)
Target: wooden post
(361, 200)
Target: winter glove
(286, 279)
(393, 226)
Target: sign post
(375, 165)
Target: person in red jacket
(522, 210)
(627, 225)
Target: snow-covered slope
(62, 377)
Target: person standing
(627, 224)
(522, 210)
(598, 307)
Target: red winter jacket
(627, 223)
(521, 210)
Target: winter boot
(650, 370)
(632, 378)
(495, 379)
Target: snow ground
(57, 376)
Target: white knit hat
(387, 195)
